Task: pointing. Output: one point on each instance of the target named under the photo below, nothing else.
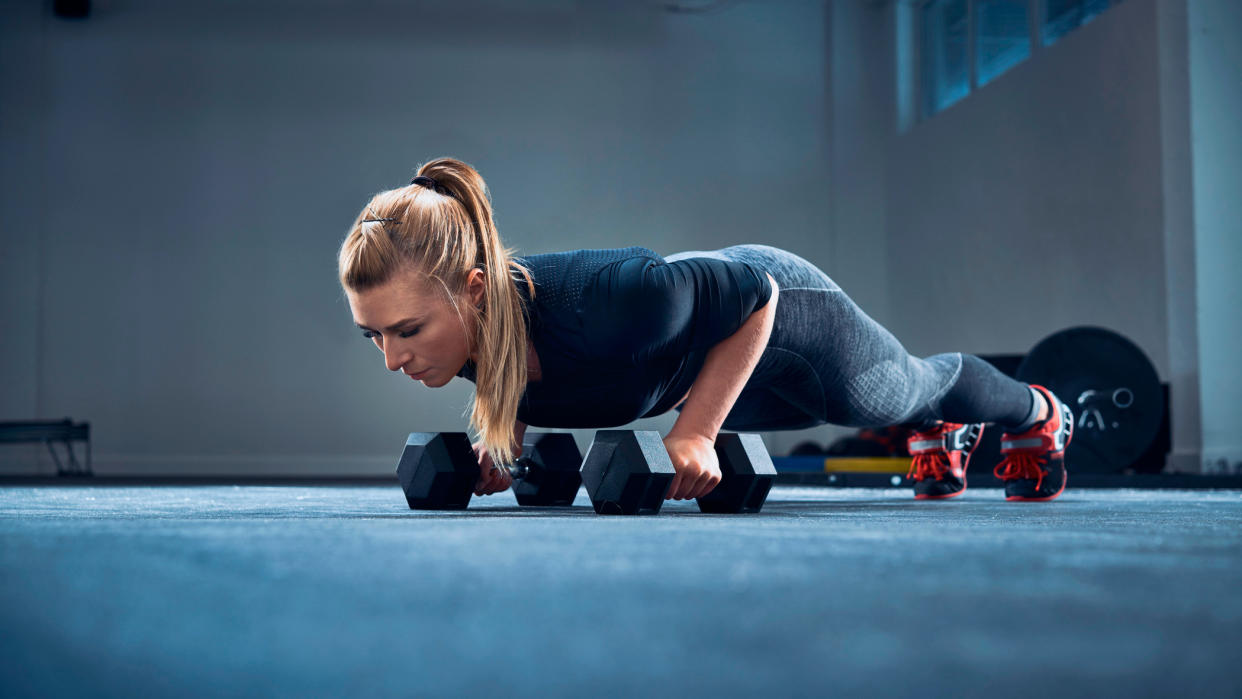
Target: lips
(420, 374)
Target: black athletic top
(622, 334)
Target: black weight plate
(1111, 387)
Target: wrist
(690, 434)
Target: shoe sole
(924, 496)
(1046, 498)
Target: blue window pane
(1061, 16)
(1002, 37)
(946, 67)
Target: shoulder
(586, 260)
(566, 277)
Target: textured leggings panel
(827, 361)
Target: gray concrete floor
(343, 591)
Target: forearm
(725, 371)
(519, 432)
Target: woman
(745, 338)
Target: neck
(534, 372)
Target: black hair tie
(425, 181)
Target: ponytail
(443, 229)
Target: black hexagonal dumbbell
(438, 470)
(547, 474)
(747, 475)
(627, 472)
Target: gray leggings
(828, 362)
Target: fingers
(687, 486)
(497, 480)
(674, 488)
(695, 466)
(684, 483)
(491, 477)
(503, 482)
(704, 485)
(485, 485)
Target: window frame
(1034, 23)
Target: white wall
(863, 116)
(1097, 177)
(1058, 195)
(1034, 203)
(1216, 105)
(23, 90)
(178, 176)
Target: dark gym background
(176, 177)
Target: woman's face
(412, 323)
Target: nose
(395, 357)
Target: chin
(432, 383)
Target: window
(962, 45)
(1003, 36)
(1060, 16)
(946, 52)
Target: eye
(368, 334)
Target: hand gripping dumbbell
(438, 470)
(628, 472)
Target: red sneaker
(940, 458)
(1034, 466)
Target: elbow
(770, 306)
(762, 318)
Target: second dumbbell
(438, 470)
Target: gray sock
(1032, 416)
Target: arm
(519, 433)
(728, 366)
(725, 371)
(657, 309)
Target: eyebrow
(391, 328)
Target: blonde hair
(442, 234)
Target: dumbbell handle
(520, 468)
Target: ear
(475, 285)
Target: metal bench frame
(49, 431)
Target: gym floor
(344, 591)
